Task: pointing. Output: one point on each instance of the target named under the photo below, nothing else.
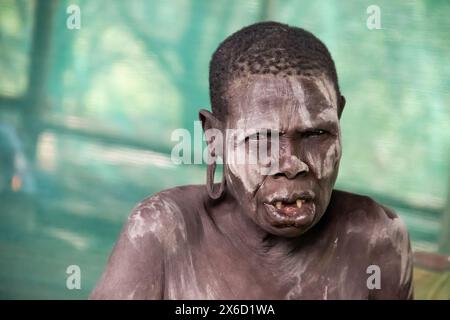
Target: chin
(288, 232)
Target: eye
(315, 133)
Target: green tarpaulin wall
(86, 117)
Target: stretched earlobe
(209, 121)
(213, 133)
(214, 194)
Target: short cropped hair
(267, 48)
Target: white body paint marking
(402, 248)
(251, 118)
(131, 295)
(326, 87)
(330, 159)
(138, 227)
(328, 114)
(299, 94)
(160, 221)
(335, 242)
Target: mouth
(287, 208)
(296, 210)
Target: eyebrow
(261, 130)
(328, 125)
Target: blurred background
(86, 117)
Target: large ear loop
(214, 194)
(211, 169)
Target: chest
(225, 273)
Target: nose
(291, 166)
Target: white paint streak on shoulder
(160, 217)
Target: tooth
(299, 203)
(278, 204)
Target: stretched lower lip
(291, 215)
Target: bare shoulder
(157, 227)
(166, 216)
(380, 235)
(364, 215)
(374, 228)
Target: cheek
(247, 169)
(246, 175)
(332, 157)
(323, 160)
(244, 180)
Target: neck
(234, 223)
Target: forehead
(280, 100)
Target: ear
(209, 121)
(341, 106)
(212, 127)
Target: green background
(86, 117)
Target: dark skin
(257, 241)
